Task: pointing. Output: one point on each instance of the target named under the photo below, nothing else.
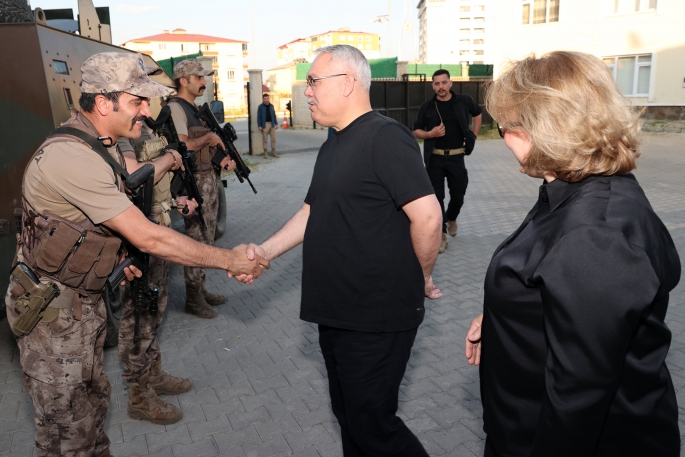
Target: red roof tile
(325, 33)
(187, 38)
(341, 31)
(290, 42)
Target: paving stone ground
(260, 386)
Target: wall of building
(230, 69)
(280, 80)
(160, 50)
(592, 26)
(301, 115)
(208, 95)
(368, 43)
(660, 113)
(456, 31)
(380, 68)
(303, 49)
(294, 51)
(231, 74)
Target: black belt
(448, 152)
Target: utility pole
(389, 27)
(254, 46)
(387, 17)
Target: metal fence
(401, 100)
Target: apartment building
(456, 31)
(303, 48)
(296, 50)
(229, 59)
(641, 41)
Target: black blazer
(574, 340)
(427, 118)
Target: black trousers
(454, 169)
(364, 374)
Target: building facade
(456, 31)
(303, 48)
(297, 50)
(281, 78)
(280, 82)
(229, 59)
(641, 42)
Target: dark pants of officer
(364, 374)
(454, 169)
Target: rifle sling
(186, 103)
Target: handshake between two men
(245, 265)
(169, 245)
(253, 256)
(241, 263)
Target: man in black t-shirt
(443, 122)
(370, 229)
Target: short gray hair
(352, 57)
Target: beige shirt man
(62, 361)
(56, 182)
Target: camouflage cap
(119, 72)
(153, 71)
(188, 67)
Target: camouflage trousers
(63, 374)
(137, 358)
(208, 183)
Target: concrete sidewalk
(287, 140)
(260, 387)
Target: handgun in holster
(32, 303)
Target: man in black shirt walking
(443, 122)
(370, 228)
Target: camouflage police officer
(190, 84)
(68, 246)
(141, 359)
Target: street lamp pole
(387, 17)
(253, 42)
(389, 28)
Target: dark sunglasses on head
(503, 130)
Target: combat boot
(443, 243)
(273, 153)
(452, 228)
(196, 304)
(210, 298)
(165, 384)
(143, 403)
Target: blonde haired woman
(573, 347)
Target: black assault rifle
(143, 296)
(164, 125)
(228, 136)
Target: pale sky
(276, 22)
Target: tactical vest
(196, 129)
(149, 147)
(79, 255)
